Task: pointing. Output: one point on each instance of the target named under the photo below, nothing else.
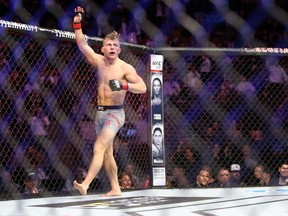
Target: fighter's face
(111, 48)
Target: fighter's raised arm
(89, 53)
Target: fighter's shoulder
(126, 66)
(100, 58)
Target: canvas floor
(161, 202)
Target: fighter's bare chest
(112, 72)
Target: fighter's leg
(117, 118)
(104, 140)
(112, 172)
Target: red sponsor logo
(115, 118)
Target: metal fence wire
(222, 110)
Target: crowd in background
(252, 100)
(239, 150)
(130, 21)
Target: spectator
(250, 161)
(126, 182)
(282, 177)
(235, 176)
(235, 131)
(223, 178)
(281, 115)
(31, 188)
(178, 155)
(33, 101)
(216, 133)
(129, 170)
(191, 163)
(18, 78)
(80, 174)
(159, 13)
(278, 79)
(216, 155)
(129, 29)
(277, 149)
(227, 96)
(193, 79)
(198, 9)
(171, 86)
(179, 179)
(211, 175)
(122, 150)
(29, 88)
(116, 16)
(245, 88)
(205, 69)
(260, 178)
(87, 132)
(208, 136)
(202, 179)
(49, 77)
(39, 123)
(258, 143)
(179, 37)
(229, 153)
(48, 176)
(147, 181)
(142, 123)
(14, 173)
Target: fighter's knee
(108, 154)
(99, 146)
(97, 150)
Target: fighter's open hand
(79, 14)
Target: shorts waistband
(104, 108)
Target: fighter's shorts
(110, 117)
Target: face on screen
(157, 137)
(156, 86)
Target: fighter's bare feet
(80, 187)
(113, 192)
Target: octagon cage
(222, 109)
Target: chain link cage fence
(48, 105)
(222, 108)
(225, 110)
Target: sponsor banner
(157, 97)
(159, 176)
(157, 118)
(20, 27)
(156, 63)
